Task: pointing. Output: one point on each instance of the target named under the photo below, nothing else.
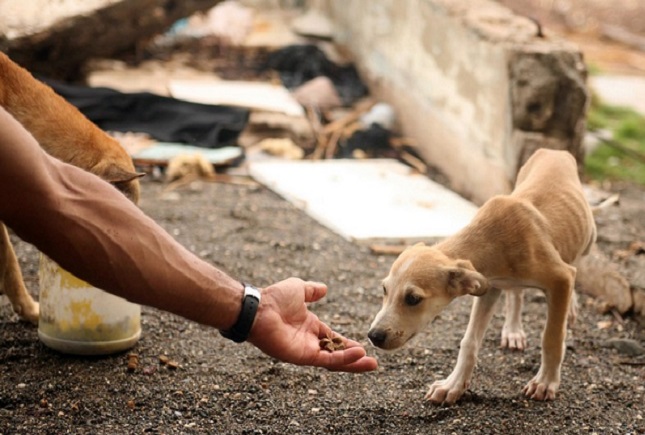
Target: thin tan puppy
(530, 238)
(66, 134)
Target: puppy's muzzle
(377, 337)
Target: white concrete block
(367, 199)
(627, 91)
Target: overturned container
(80, 319)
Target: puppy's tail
(612, 200)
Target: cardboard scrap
(252, 95)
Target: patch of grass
(623, 157)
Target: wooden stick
(622, 148)
(414, 162)
(321, 139)
(352, 116)
(387, 249)
(332, 144)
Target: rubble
(57, 38)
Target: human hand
(285, 329)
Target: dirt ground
(226, 388)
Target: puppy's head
(114, 166)
(421, 283)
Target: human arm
(93, 231)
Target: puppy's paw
(29, 311)
(541, 388)
(514, 339)
(446, 391)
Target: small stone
(625, 346)
(149, 370)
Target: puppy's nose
(377, 337)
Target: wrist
(241, 329)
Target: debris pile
(235, 83)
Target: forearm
(93, 231)
(111, 243)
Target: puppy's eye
(384, 290)
(412, 299)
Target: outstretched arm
(92, 230)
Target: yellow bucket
(80, 319)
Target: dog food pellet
(163, 359)
(331, 344)
(133, 362)
(172, 364)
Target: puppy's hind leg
(11, 282)
(513, 336)
(573, 308)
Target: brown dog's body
(66, 134)
(530, 238)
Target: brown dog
(530, 238)
(66, 134)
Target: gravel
(221, 387)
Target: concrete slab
(621, 90)
(367, 199)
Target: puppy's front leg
(545, 384)
(451, 389)
(11, 282)
(513, 336)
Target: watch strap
(239, 332)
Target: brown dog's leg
(513, 336)
(451, 389)
(11, 282)
(559, 294)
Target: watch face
(249, 290)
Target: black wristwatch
(239, 332)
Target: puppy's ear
(466, 281)
(114, 174)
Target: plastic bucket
(77, 318)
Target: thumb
(314, 291)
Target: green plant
(622, 157)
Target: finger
(314, 291)
(365, 364)
(349, 360)
(339, 358)
(352, 343)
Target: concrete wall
(473, 83)
(56, 38)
